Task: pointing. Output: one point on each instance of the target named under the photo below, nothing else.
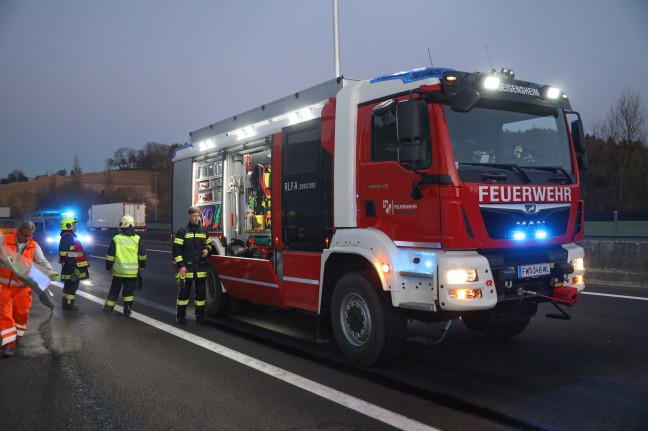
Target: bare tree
(16, 176)
(626, 121)
(121, 157)
(625, 128)
(76, 167)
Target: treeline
(16, 176)
(618, 159)
(154, 158)
(617, 178)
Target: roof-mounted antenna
(489, 59)
(430, 55)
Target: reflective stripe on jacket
(72, 257)
(74, 250)
(188, 245)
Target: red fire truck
(428, 195)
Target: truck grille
(500, 222)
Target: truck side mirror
(578, 138)
(409, 153)
(408, 121)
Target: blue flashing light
(414, 75)
(541, 234)
(86, 238)
(519, 235)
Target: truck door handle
(370, 208)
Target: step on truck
(428, 195)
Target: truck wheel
(495, 331)
(238, 306)
(367, 328)
(216, 301)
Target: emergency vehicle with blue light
(48, 230)
(428, 195)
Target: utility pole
(336, 39)
(155, 177)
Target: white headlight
(553, 93)
(460, 276)
(491, 83)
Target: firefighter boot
(200, 315)
(107, 309)
(68, 304)
(181, 311)
(128, 306)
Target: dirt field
(23, 196)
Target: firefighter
(125, 260)
(73, 260)
(191, 246)
(15, 295)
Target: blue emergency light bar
(520, 235)
(414, 75)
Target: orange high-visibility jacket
(6, 276)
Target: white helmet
(126, 222)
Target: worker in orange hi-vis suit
(16, 296)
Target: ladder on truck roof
(261, 120)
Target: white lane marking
(148, 249)
(373, 411)
(159, 251)
(615, 296)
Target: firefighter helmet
(68, 222)
(126, 222)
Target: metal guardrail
(625, 229)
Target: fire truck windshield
(496, 134)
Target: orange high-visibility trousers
(15, 303)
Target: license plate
(536, 270)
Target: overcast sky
(86, 77)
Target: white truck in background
(7, 224)
(107, 216)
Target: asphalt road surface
(263, 370)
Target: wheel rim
(355, 319)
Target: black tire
(217, 302)
(238, 306)
(502, 330)
(367, 328)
